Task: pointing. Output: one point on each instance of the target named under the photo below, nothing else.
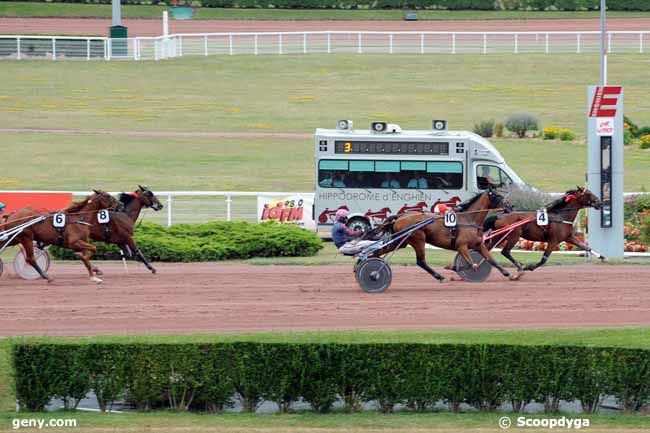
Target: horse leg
(131, 245)
(585, 247)
(547, 253)
(506, 252)
(85, 251)
(28, 247)
(421, 262)
(487, 256)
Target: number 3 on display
(103, 216)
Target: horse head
(584, 197)
(148, 198)
(496, 200)
(101, 200)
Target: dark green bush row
(566, 5)
(212, 241)
(206, 376)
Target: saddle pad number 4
(450, 219)
(542, 217)
(103, 216)
(58, 220)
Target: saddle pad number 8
(58, 220)
(103, 216)
(450, 219)
(542, 217)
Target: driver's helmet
(341, 214)
(440, 208)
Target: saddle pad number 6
(103, 216)
(450, 219)
(58, 220)
(542, 217)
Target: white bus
(383, 171)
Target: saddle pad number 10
(58, 220)
(103, 216)
(542, 217)
(450, 219)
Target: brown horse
(119, 229)
(74, 235)
(561, 215)
(467, 236)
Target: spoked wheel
(374, 275)
(465, 271)
(24, 270)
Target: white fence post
(359, 50)
(484, 43)
(228, 207)
(546, 42)
(578, 43)
(53, 48)
(516, 43)
(390, 43)
(156, 45)
(329, 43)
(108, 49)
(169, 210)
(230, 44)
(255, 48)
(180, 46)
(205, 45)
(18, 49)
(87, 49)
(609, 43)
(422, 43)
(453, 43)
(280, 43)
(640, 43)
(304, 43)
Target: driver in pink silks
(342, 235)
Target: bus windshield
(367, 174)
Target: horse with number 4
(552, 224)
(116, 226)
(460, 230)
(69, 228)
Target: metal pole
(18, 49)
(359, 43)
(390, 38)
(228, 205)
(280, 43)
(484, 43)
(87, 49)
(516, 43)
(230, 44)
(453, 43)
(603, 46)
(578, 43)
(422, 43)
(53, 48)
(169, 210)
(329, 43)
(304, 43)
(117, 12)
(205, 45)
(255, 49)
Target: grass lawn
(244, 164)
(27, 9)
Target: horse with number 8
(69, 228)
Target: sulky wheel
(465, 271)
(2, 266)
(24, 270)
(374, 275)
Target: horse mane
(126, 198)
(561, 202)
(467, 203)
(77, 206)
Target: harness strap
(107, 232)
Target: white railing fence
(324, 42)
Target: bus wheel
(359, 224)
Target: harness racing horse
(561, 216)
(119, 229)
(468, 234)
(72, 235)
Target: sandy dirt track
(184, 298)
(141, 27)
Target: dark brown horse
(561, 215)
(468, 234)
(119, 229)
(74, 235)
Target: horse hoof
(50, 280)
(153, 271)
(96, 280)
(603, 258)
(98, 272)
(442, 280)
(516, 277)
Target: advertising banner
(289, 209)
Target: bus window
(445, 175)
(415, 174)
(332, 173)
(490, 175)
(361, 174)
(387, 174)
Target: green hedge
(206, 376)
(212, 241)
(565, 5)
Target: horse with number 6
(559, 227)
(465, 236)
(116, 226)
(69, 228)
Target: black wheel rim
(374, 275)
(465, 271)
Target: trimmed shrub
(642, 131)
(521, 123)
(644, 142)
(485, 128)
(567, 134)
(551, 132)
(627, 138)
(630, 126)
(498, 129)
(212, 242)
